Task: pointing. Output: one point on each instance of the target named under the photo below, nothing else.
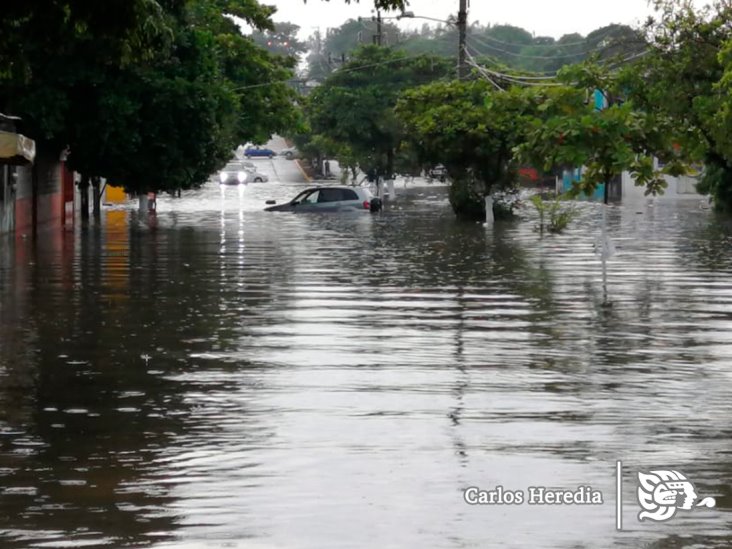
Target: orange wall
(115, 195)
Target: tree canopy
(152, 95)
(281, 40)
(505, 45)
(472, 129)
(354, 106)
(606, 140)
(685, 75)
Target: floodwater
(220, 376)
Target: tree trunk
(84, 194)
(96, 198)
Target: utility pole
(462, 24)
(378, 37)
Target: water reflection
(218, 374)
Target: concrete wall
(570, 176)
(50, 195)
(7, 199)
(678, 187)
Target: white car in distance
(239, 172)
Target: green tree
(53, 53)
(684, 76)
(472, 130)
(46, 48)
(167, 118)
(354, 106)
(385, 4)
(331, 51)
(569, 131)
(282, 40)
(442, 41)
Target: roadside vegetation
(652, 101)
(152, 95)
(155, 95)
(555, 214)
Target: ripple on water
(336, 381)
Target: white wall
(678, 187)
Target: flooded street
(227, 377)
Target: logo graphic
(662, 492)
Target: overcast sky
(542, 17)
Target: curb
(302, 171)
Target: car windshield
(237, 166)
(302, 195)
(310, 198)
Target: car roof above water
(238, 164)
(336, 187)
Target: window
(311, 198)
(330, 195)
(348, 194)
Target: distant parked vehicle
(238, 172)
(290, 153)
(256, 176)
(330, 199)
(438, 172)
(250, 152)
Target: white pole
(604, 253)
(489, 220)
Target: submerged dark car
(330, 199)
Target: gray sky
(543, 17)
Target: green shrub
(558, 213)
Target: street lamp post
(378, 38)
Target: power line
(530, 81)
(511, 78)
(533, 76)
(529, 56)
(337, 71)
(516, 80)
(472, 62)
(627, 59)
(555, 45)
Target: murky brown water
(235, 378)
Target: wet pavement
(220, 376)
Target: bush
(559, 214)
